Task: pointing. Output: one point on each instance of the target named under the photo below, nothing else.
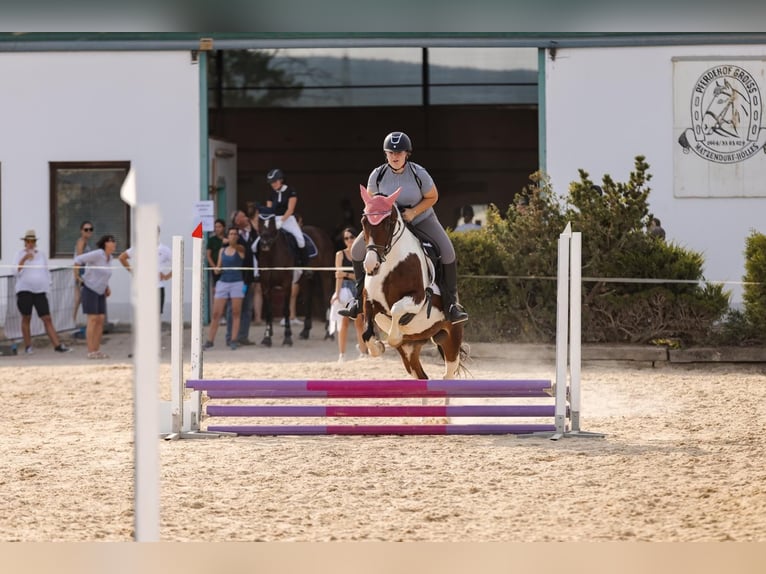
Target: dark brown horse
(399, 294)
(275, 260)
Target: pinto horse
(399, 294)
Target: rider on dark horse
(416, 202)
(283, 200)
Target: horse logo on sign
(727, 116)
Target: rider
(283, 200)
(416, 202)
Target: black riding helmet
(397, 141)
(274, 175)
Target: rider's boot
(454, 311)
(355, 306)
(303, 260)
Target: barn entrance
(321, 115)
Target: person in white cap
(33, 280)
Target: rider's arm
(290, 207)
(429, 200)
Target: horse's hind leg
(449, 342)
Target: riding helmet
(274, 175)
(397, 141)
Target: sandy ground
(684, 459)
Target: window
(87, 190)
(333, 77)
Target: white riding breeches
(291, 225)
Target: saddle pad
(311, 247)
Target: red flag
(197, 231)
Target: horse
(399, 294)
(275, 256)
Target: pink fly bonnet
(377, 207)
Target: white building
(606, 105)
(96, 110)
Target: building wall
(604, 106)
(141, 107)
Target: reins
(382, 250)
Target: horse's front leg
(267, 316)
(374, 346)
(308, 296)
(288, 338)
(404, 306)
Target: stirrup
(457, 314)
(351, 311)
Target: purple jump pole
(383, 429)
(381, 411)
(379, 388)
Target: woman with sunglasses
(81, 246)
(345, 291)
(95, 290)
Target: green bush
(521, 244)
(754, 296)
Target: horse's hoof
(304, 334)
(287, 341)
(266, 343)
(376, 348)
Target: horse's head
(268, 232)
(380, 221)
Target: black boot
(454, 311)
(303, 260)
(355, 307)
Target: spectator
(468, 223)
(214, 244)
(230, 287)
(655, 228)
(164, 265)
(95, 290)
(81, 246)
(33, 280)
(247, 234)
(345, 291)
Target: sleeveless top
(229, 275)
(350, 284)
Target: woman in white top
(95, 290)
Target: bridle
(398, 230)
